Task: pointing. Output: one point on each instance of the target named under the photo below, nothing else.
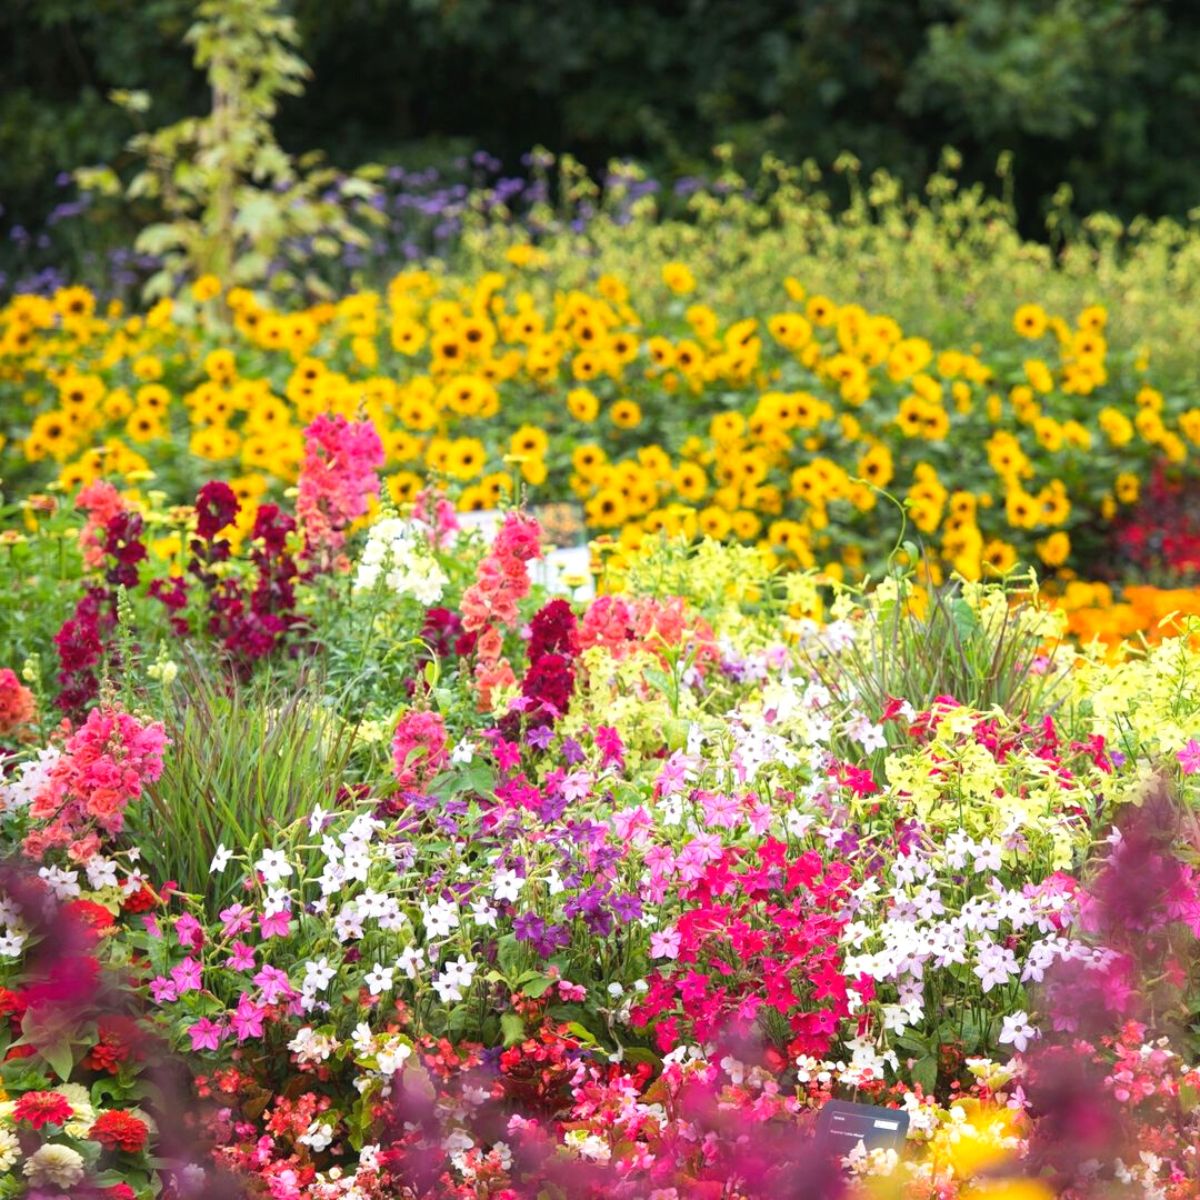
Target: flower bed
(346, 860)
(786, 419)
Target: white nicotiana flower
(273, 866)
(379, 979)
(101, 872)
(30, 777)
(318, 974)
(411, 960)
(440, 919)
(1017, 1031)
(220, 860)
(507, 885)
(64, 884)
(455, 978)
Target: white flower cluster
(27, 780)
(397, 552)
(924, 921)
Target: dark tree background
(1101, 94)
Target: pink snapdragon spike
(419, 749)
(105, 764)
(501, 581)
(338, 478)
(101, 502)
(438, 516)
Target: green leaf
(513, 1028)
(60, 1057)
(537, 987)
(925, 1071)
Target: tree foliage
(1099, 94)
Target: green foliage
(1091, 93)
(228, 195)
(984, 647)
(246, 762)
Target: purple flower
(540, 737)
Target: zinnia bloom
(120, 1131)
(43, 1108)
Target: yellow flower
(582, 404)
(876, 466)
(529, 442)
(525, 255)
(679, 278)
(714, 522)
(821, 310)
(625, 414)
(207, 287)
(607, 509)
(1030, 320)
(1055, 549)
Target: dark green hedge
(1104, 94)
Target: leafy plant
(986, 648)
(246, 760)
(231, 199)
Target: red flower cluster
(760, 932)
(42, 1108)
(17, 706)
(550, 678)
(118, 1130)
(250, 623)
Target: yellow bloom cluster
(790, 429)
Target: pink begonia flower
(1189, 757)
